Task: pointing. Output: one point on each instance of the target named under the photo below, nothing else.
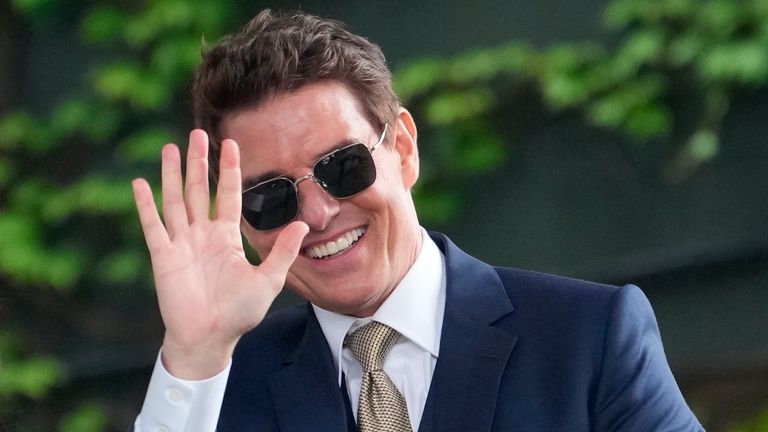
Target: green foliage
(141, 146)
(25, 255)
(451, 107)
(707, 49)
(89, 417)
(68, 224)
(32, 377)
(20, 374)
(757, 424)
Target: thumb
(285, 251)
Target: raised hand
(209, 294)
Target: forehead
(291, 130)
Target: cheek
(389, 177)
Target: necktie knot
(371, 343)
(382, 408)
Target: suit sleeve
(636, 389)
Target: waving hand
(209, 294)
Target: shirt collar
(415, 308)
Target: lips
(334, 247)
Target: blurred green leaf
(176, 58)
(70, 116)
(454, 106)
(103, 23)
(519, 57)
(144, 145)
(7, 171)
(127, 82)
(15, 229)
(117, 80)
(158, 20)
(757, 424)
(685, 48)
(29, 195)
(436, 206)
(26, 259)
(88, 417)
(31, 7)
(565, 89)
(703, 145)
(741, 61)
(478, 149)
(759, 9)
(721, 17)
(478, 65)
(105, 120)
(9, 345)
(642, 47)
(621, 13)
(123, 266)
(417, 77)
(649, 120)
(15, 128)
(95, 195)
(615, 108)
(572, 74)
(32, 377)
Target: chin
(348, 302)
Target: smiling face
(285, 135)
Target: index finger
(155, 234)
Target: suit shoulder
(529, 285)
(545, 298)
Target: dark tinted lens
(346, 172)
(270, 205)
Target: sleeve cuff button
(175, 396)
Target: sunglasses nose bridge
(310, 176)
(318, 207)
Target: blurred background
(622, 141)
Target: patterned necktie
(382, 407)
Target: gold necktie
(382, 408)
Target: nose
(317, 207)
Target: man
(315, 159)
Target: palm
(208, 292)
(209, 267)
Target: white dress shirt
(415, 309)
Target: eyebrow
(251, 181)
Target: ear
(406, 148)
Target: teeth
(334, 247)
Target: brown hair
(277, 53)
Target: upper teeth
(334, 247)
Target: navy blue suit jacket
(519, 351)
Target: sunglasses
(342, 173)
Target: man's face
(286, 135)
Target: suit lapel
(305, 392)
(473, 353)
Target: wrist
(197, 362)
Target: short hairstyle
(281, 52)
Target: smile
(334, 247)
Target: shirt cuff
(177, 405)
